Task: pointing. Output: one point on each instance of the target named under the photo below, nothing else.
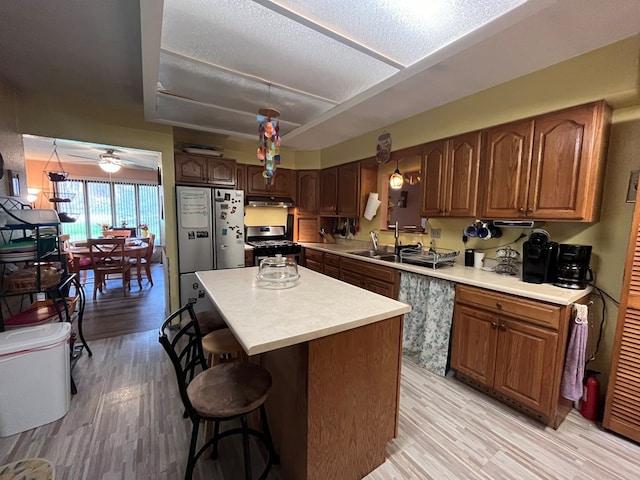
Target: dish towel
(573, 375)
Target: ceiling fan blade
(82, 156)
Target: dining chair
(116, 233)
(78, 265)
(223, 392)
(107, 258)
(145, 262)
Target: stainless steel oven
(269, 241)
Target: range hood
(269, 201)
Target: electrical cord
(602, 295)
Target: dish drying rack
(434, 257)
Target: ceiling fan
(109, 161)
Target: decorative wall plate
(383, 150)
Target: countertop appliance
(269, 241)
(210, 237)
(539, 255)
(573, 269)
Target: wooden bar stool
(221, 346)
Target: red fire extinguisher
(589, 408)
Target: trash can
(35, 376)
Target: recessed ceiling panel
(251, 39)
(404, 30)
(176, 110)
(213, 86)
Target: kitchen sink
(377, 254)
(366, 253)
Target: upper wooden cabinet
(450, 175)
(349, 190)
(308, 192)
(344, 189)
(283, 183)
(204, 170)
(547, 168)
(329, 191)
(241, 176)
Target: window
(110, 204)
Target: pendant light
(396, 180)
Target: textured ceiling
(115, 53)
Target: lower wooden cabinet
(375, 278)
(314, 260)
(512, 348)
(248, 257)
(332, 265)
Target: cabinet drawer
(532, 311)
(313, 255)
(368, 269)
(376, 286)
(331, 259)
(352, 278)
(331, 271)
(313, 265)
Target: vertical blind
(112, 204)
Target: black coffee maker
(573, 269)
(539, 258)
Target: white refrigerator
(210, 237)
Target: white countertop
(465, 275)
(264, 319)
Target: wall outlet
(435, 232)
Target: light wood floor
(126, 423)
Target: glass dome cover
(277, 272)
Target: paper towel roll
(372, 206)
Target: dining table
(133, 248)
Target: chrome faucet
(374, 239)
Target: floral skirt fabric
(427, 328)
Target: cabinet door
(241, 177)
(308, 230)
(463, 161)
(284, 183)
(307, 197)
(506, 170)
(349, 190)
(256, 183)
(222, 172)
(560, 165)
(473, 349)
(434, 173)
(191, 169)
(329, 191)
(248, 257)
(524, 364)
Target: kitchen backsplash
(265, 216)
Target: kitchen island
(334, 352)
